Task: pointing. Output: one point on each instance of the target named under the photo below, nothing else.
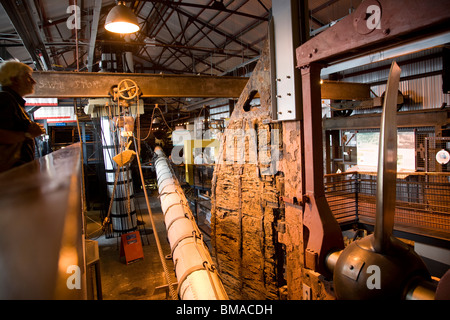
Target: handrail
(42, 241)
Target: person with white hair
(17, 131)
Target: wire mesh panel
(422, 206)
(436, 154)
(422, 133)
(342, 196)
(367, 200)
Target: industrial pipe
(197, 275)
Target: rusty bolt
(305, 198)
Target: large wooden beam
(98, 85)
(336, 90)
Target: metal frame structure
(399, 21)
(179, 28)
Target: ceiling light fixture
(121, 20)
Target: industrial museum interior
(230, 150)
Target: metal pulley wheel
(127, 89)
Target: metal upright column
(324, 234)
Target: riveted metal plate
(353, 267)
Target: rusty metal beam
(361, 31)
(405, 119)
(324, 233)
(98, 85)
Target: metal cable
(173, 293)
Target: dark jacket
(13, 117)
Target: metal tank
(123, 211)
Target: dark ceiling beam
(319, 8)
(155, 67)
(4, 54)
(243, 31)
(317, 21)
(262, 4)
(214, 29)
(159, 10)
(170, 49)
(93, 37)
(150, 23)
(230, 38)
(322, 6)
(60, 35)
(47, 35)
(150, 20)
(27, 28)
(174, 47)
(183, 29)
(212, 7)
(206, 35)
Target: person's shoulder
(4, 92)
(6, 96)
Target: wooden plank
(338, 90)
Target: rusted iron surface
(360, 31)
(324, 233)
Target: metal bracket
(284, 37)
(353, 269)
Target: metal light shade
(121, 20)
